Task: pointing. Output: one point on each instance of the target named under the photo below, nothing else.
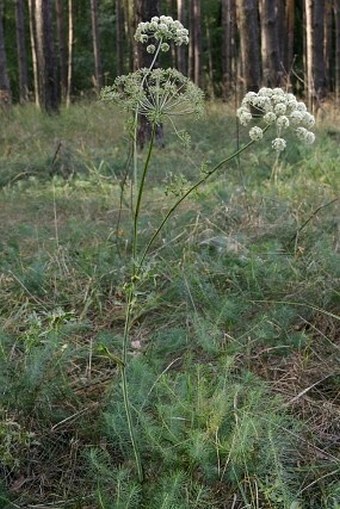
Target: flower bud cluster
(279, 109)
(161, 29)
(256, 133)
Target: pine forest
(236, 45)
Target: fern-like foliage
(115, 487)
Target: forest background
(53, 51)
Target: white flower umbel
(279, 109)
(156, 94)
(162, 30)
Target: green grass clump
(234, 354)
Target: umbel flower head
(156, 94)
(161, 29)
(281, 110)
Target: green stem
(125, 390)
(125, 387)
(185, 195)
(140, 194)
(127, 406)
(137, 267)
(130, 301)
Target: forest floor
(233, 373)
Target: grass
(234, 359)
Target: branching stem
(140, 194)
(185, 195)
(138, 265)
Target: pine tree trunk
(181, 50)
(31, 8)
(98, 78)
(309, 52)
(119, 37)
(5, 89)
(39, 45)
(52, 93)
(172, 10)
(272, 72)
(61, 46)
(337, 51)
(138, 51)
(21, 51)
(70, 53)
(318, 50)
(197, 43)
(210, 66)
(48, 86)
(328, 45)
(250, 43)
(129, 27)
(228, 46)
(195, 70)
(281, 35)
(290, 21)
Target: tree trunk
(39, 45)
(318, 50)
(181, 50)
(5, 89)
(197, 42)
(328, 45)
(31, 8)
(210, 66)
(281, 34)
(337, 51)
(228, 15)
(98, 78)
(250, 43)
(309, 52)
(272, 71)
(119, 37)
(172, 10)
(70, 53)
(290, 21)
(61, 46)
(129, 27)
(195, 69)
(21, 51)
(48, 87)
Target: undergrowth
(234, 372)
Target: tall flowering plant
(161, 95)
